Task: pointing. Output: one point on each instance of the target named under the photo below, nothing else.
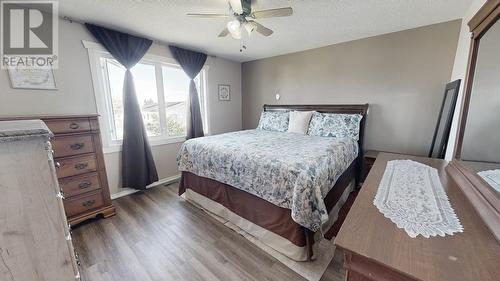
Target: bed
(283, 189)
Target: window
(176, 85)
(162, 91)
(146, 91)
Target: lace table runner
(410, 194)
(492, 177)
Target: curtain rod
(70, 20)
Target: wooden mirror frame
(481, 195)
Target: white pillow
(299, 121)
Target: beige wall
(402, 75)
(164, 156)
(75, 95)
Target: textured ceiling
(315, 23)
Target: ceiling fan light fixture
(234, 28)
(250, 26)
(236, 35)
(242, 23)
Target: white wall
(75, 95)
(459, 71)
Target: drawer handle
(77, 146)
(88, 203)
(77, 258)
(58, 165)
(84, 184)
(81, 166)
(60, 195)
(74, 126)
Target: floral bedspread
(290, 170)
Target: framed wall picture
(224, 92)
(39, 78)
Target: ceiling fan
(243, 18)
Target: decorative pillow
(299, 121)
(335, 125)
(274, 121)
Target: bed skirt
(278, 243)
(270, 224)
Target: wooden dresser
(375, 249)
(80, 165)
(35, 240)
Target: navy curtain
(191, 62)
(138, 166)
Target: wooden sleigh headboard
(332, 108)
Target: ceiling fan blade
(208, 15)
(262, 29)
(224, 32)
(280, 12)
(236, 6)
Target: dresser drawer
(68, 125)
(72, 145)
(76, 166)
(81, 204)
(79, 184)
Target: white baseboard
(165, 181)
(127, 191)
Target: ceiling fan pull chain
(243, 45)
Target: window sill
(153, 142)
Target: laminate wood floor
(157, 236)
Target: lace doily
(492, 177)
(410, 194)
